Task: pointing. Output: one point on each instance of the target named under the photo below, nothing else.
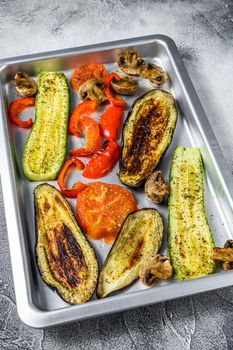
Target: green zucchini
(190, 239)
(45, 149)
(139, 238)
(65, 259)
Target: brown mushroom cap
(24, 84)
(124, 86)
(155, 187)
(155, 74)
(92, 90)
(225, 255)
(130, 62)
(155, 267)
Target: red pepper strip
(17, 107)
(116, 101)
(64, 172)
(91, 131)
(110, 122)
(102, 162)
(84, 108)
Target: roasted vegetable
(155, 74)
(225, 255)
(17, 107)
(139, 238)
(101, 209)
(73, 191)
(156, 188)
(45, 149)
(86, 72)
(155, 267)
(102, 162)
(114, 100)
(65, 259)
(124, 86)
(91, 131)
(110, 122)
(82, 109)
(190, 239)
(24, 84)
(130, 62)
(147, 133)
(92, 90)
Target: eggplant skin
(65, 259)
(147, 134)
(140, 237)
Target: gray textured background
(203, 31)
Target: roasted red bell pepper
(115, 100)
(110, 122)
(91, 131)
(102, 162)
(64, 172)
(84, 108)
(17, 107)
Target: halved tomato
(101, 209)
(86, 72)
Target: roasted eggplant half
(65, 259)
(147, 133)
(139, 238)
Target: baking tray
(38, 305)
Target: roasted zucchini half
(190, 239)
(65, 259)
(46, 146)
(140, 237)
(147, 133)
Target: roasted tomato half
(101, 209)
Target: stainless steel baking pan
(39, 306)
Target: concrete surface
(203, 31)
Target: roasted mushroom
(155, 187)
(124, 86)
(155, 267)
(24, 85)
(92, 90)
(155, 74)
(130, 62)
(225, 255)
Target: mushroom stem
(92, 90)
(155, 267)
(225, 255)
(156, 188)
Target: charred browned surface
(59, 201)
(64, 255)
(136, 254)
(147, 134)
(46, 206)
